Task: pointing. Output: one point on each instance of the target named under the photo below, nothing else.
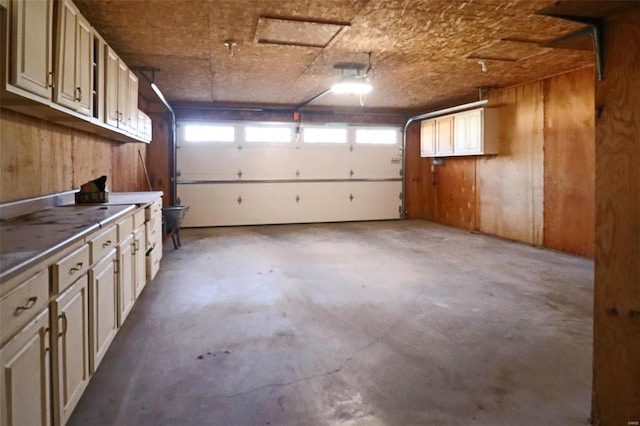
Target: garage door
(246, 173)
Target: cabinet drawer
(125, 228)
(101, 244)
(139, 218)
(70, 268)
(23, 303)
(153, 262)
(154, 209)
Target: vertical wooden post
(616, 357)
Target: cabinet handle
(106, 244)
(78, 94)
(32, 301)
(50, 79)
(76, 268)
(63, 317)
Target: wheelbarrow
(172, 218)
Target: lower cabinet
(139, 260)
(103, 309)
(70, 327)
(58, 319)
(126, 283)
(25, 375)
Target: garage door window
(325, 135)
(282, 134)
(209, 133)
(377, 136)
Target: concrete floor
(378, 323)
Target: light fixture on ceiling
(352, 84)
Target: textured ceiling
(424, 51)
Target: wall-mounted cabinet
(31, 35)
(72, 94)
(436, 137)
(474, 132)
(74, 71)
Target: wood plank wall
(569, 163)
(616, 357)
(547, 131)
(38, 157)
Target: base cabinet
(126, 283)
(103, 293)
(25, 376)
(70, 326)
(59, 317)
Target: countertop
(30, 238)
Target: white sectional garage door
(255, 173)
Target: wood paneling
(38, 157)
(453, 189)
(158, 156)
(416, 169)
(616, 357)
(510, 185)
(569, 162)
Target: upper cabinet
(436, 137)
(121, 101)
(473, 132)
(30, 61)
(90, 87)
(74, 83)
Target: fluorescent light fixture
(156, 89)
(354, 84)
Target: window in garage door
(276, 173)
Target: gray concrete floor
(377, 323)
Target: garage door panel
(267, 203)
(242, 183)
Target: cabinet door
(66, 89)
(139, 261)
(126, 283)
(111, 87)
(132, 103)
(84, 70)
(468, 133)
(25, 376)
(103, 293)
(70, 326)
(31, 46)
(123, 84)
(428, 138)
(75, 56)
(444, 135)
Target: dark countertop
(29, 239)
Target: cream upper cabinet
(31, 46)
(118, 87)
(428, 138)
(436, 137)
(474, 132)
(25, 376)
(74, 85)
(132, 103)
(112, 62)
